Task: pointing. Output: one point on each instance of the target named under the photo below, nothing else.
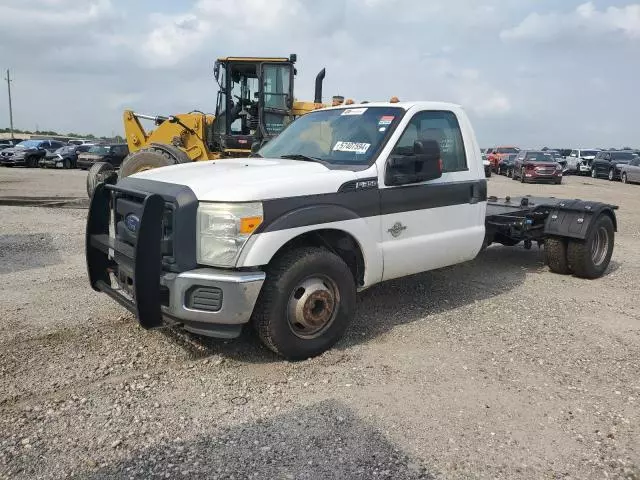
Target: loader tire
(307, 302)
(555, 255)
(590, 258)
(100, 172)
(146, 159)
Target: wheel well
(338, 241)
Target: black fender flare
(575, 218)
(307, 216)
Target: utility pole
(8, 79)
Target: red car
(494, 155)
(534, 166)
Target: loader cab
(255, 100)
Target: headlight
(558, 167)
(223, 230)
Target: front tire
(624, 177)
(306, 303)
(522, 177)
(590, 258)
(148, 159)
(594, 174)
(611, 175)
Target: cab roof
(427, 105)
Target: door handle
(475, 194)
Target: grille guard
(145, 256)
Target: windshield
(623, 156)
(338, 136)
(99, 149)
(29, 144)
(588, 153)
(539, 157)
(507, 150)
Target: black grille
(208, 299)
(132, 205)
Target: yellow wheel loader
(255, 103)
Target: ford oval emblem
(132, 222)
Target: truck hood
(250, 179)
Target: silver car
(630, 172)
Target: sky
(529, 72)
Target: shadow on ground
(497, 270)
(25, 251)
(321, 441)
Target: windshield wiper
(306, 158)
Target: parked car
(64, 157)
(487, 166)
(579, 160)
(630, 172)
(77, 141)
(606, 164)
(557, 156)
(505, 167)
(28, 152)
(536, 165)
(9, 142)
(497, 153)
(113, 154)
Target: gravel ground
(492, 369)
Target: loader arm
(187, 131)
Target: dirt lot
(492, 369)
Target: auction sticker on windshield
(386, 120)
(351, 147)
(354, 111)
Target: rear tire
(67, 164)
(287, 297)
(555, 255)
(100, 172)
(147, 159)
(590, 258)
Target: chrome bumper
(238, 294)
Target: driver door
(433, 224)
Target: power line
(8, 79)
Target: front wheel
(594, 174)
(624, 177)
(522, 178)
(306, 303)
(611, 174)
(67, 164)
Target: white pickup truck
(343, 199)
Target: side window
(574, 153)
(441, 126)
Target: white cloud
(585, 21)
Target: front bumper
(207, 301)
(13, 161)
(584, 168)
(51, 162)
(85, 163)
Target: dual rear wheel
(587, 258)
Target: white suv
(579, 160)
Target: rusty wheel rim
(313, 306)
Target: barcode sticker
(351, 147)
(354, 111)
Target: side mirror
(423, 165)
